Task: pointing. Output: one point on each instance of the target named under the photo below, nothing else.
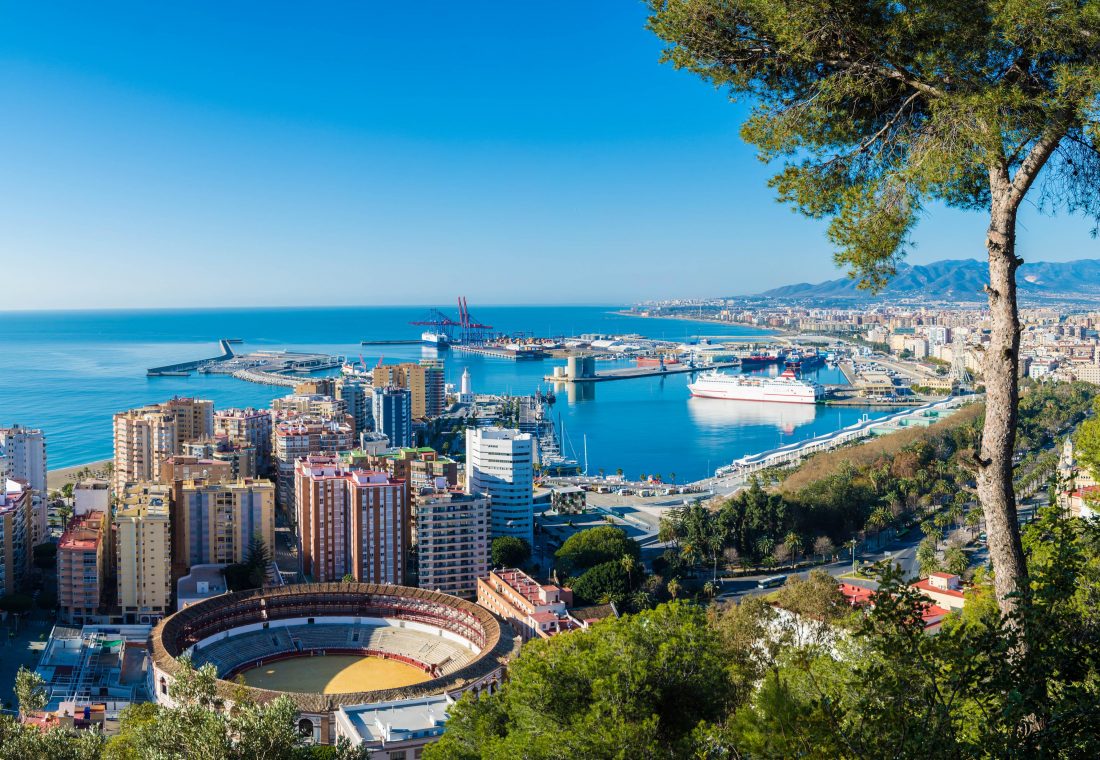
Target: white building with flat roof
(500, 465)
(401, 728)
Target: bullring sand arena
(333, 674)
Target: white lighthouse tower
(466, 393)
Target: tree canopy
(872, 109)
(594, 546)
(827, 682)
(509, 551)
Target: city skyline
(245, 148)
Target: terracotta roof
(924, 585)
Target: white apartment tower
(23, 458)
(500, 465)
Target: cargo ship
(786, 388)
(762, 359)
(435, 339)
(657, 361)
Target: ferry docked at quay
(787, 388)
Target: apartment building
(15, 535)
(143, 546)
(248, 427)
(23, 458)
(357, 398)
(300, 437)
(310, 404)
(533, 610)
(393, 416)
(145, 437)
(500, 465)
(214, 522)
(421, 468)
(184, 467)
(241, 457)
(350, 522)
(435, 387)
(452, 538)
(82, 569)
(424, 381)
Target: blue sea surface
(68, 372)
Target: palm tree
(764, 546)
(879, 519)
(619, 472)
(672, 477)
(710, 589)
(794, 545)
(674, 588)
(691, 554)
(629, 564)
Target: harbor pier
(184, 369)
(581, 373)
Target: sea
(67, 372)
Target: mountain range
(959, 280)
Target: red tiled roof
(924, 585)
(857, 596)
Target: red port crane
(469, 330)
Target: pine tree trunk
(1002, 393)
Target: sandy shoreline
(61, 476)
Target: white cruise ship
(783, 389)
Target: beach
(59, 477)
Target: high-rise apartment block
(357, 398)
(213, 523)
(182, 467)
(452, 537)
(15, 535)
(500, 465)
(350, 522)
(23, 458)
(145, 437)
(143, 544)
(300, 437)
(435, 387)
(309, 404)
(240, 457)
(248, 427)
(422, 468)
(393, 414)
(82, 569)
(424, 381)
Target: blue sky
(247, 153)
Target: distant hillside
(960, 280)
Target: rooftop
(398, 720)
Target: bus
(775, 580)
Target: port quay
(794, 452)
(267, 367)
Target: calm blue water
(68, 372)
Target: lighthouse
(466, 393)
